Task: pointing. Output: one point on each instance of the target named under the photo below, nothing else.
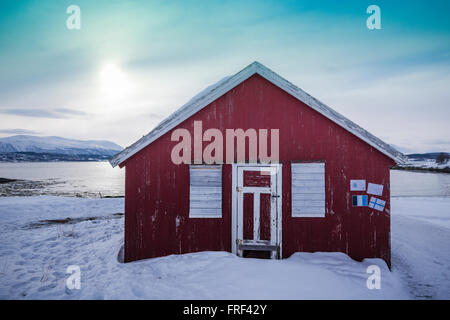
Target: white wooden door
(257, 201)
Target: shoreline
(421, 169)
(6, 180)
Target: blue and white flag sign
(359, 201)
(377, 204)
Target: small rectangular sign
(357, 185)
(375, 189)
(377, 204)
(359, 201)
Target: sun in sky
(115, 84)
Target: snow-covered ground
(35, 253)
(420, 238)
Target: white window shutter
(308, 189)
(205, 192)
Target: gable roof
(218, 89)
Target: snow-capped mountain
(57, 145)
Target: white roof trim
(215, 91)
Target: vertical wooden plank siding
(157, 219)
(264, 216)
(248, 216)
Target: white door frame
(237, 197)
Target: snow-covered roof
(218, 89)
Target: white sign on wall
(376, 189)
(357, 185)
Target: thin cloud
(438, 141)
(59, 113)
(17, 131)
(155, 115)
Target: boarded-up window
(308, 189)
(205, 197)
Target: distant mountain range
(424, 156)
(34, 148)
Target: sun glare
(114, 82)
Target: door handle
(275, 195)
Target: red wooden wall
(157, 191)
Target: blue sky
(134, 62)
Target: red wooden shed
(307, 179)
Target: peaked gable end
(215, 91)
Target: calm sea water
(99, 178)
(430, 184)
(67, 178)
